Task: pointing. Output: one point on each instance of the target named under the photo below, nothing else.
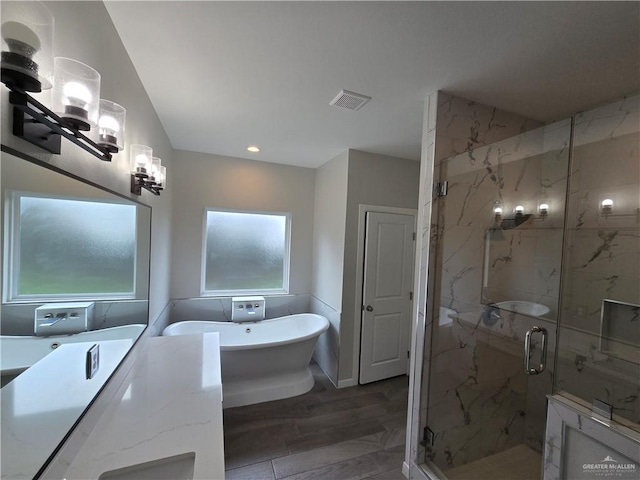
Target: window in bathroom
(69, 248)
(245, 252)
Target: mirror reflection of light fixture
(27, 39)
(606, 206)
(146, 170)
(497, 210)
(76, 93)
(543, 209)
(111, 121)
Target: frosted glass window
(246, 252)
(73, 248)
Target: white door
(386, 309)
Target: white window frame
(263, 291)
(11, 254)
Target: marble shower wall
(602, 261)
(479, 401)
(481, 252)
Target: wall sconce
(497, 210)
(146, 171)
(543, 209)
(606, 207)
(519, 210)
(27, 39)
(111, 126)
(28, 66)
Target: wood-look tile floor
(325, 434)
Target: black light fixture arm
(38, 125)
(140, 181)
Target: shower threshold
(517, 463)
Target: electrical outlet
(93, 361)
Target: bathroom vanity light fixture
(110, 132)
(28, 66)
(146, 171)
(27, 39)
(76, 93)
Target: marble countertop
(169, 405)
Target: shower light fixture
(606, 206)
(543, 209)
(497, 210)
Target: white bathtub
(19, 352)
(262, 361)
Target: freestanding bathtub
(262, 361)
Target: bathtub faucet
(63, 318)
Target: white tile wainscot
(169, 405)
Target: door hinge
(414, 236)
(410, 295)
(408, 353)
(441, 189)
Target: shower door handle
(528, 369)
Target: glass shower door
(495, 268)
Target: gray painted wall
(373, 180)
(205, 180)
(330, 209)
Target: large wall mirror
(75, 260)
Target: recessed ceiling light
(253, 149)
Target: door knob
(369, 308)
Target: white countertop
(170, 404)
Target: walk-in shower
(532, 281)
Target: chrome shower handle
(528, 369)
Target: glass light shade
(543, 208)
(27, 45)
(154, 176)
(162, 181)
(110, 131)
(140, 159)
(519, 209)
(76, 93)
(606, 206)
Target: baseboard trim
(347, 382)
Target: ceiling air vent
(349, 100)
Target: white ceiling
(224, 75)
